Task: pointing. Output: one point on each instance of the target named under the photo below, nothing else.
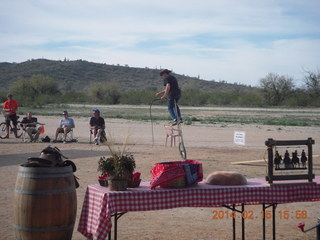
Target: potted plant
(118, 167)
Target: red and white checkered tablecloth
(100, 203)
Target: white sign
(239, 138)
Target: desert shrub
(250, 100)
(104, 92)
(74, 97)
(137, 97)
(191, 97)
(36, 90)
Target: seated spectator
(65, 126)
(31, 126)
(97, 126)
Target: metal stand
(233, 208)
(316, 226)
(115, 230)
(264, 207)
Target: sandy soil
(211, 144)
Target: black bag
(103, 137)
(45, 139)
(51, 157)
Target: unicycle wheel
(182, 150)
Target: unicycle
(182, 149)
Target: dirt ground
(213, 145)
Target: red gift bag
(165, 172)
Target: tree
(137, 97)
(36, 90)
(312, 81)
(104, 92)
(276, 88)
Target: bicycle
(3, 132)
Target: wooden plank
(291, 177)
(274, 142)
(250, 161)
(260, 160)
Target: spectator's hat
(165, 71)
(65, 113)
(96, 111)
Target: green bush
(36, 90)
(104, 93)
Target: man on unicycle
(10, 108)
(172, 93)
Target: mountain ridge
(77, 75)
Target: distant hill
(77, 75)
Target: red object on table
(165, 172)
(135, 176)
(100, 203)
(104, 176)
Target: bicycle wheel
(3, 132)
(19, 132)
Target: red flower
(104, 176)
(136, 176)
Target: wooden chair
(172, 133)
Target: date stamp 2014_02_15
(267, 214)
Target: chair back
(171, 131)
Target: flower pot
(134, 184)
(103, 182)
(117, 184)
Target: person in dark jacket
(31, 126)
(97, 125)
(172, 93)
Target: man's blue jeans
(172, 109)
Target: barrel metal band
(27, 175)
(43, 229)
(46, 170)
(46, 192)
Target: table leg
(115, 226)
(264, 207)
(233, 208)
(274, 206)
(242, 221)
(234, 225)
(264, 222)
(116, 216)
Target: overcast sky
(233, 40)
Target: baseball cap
(96, 111)
(65, 112)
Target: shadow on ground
(16, 159)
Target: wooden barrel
(45, 203)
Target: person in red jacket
(10, 108)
